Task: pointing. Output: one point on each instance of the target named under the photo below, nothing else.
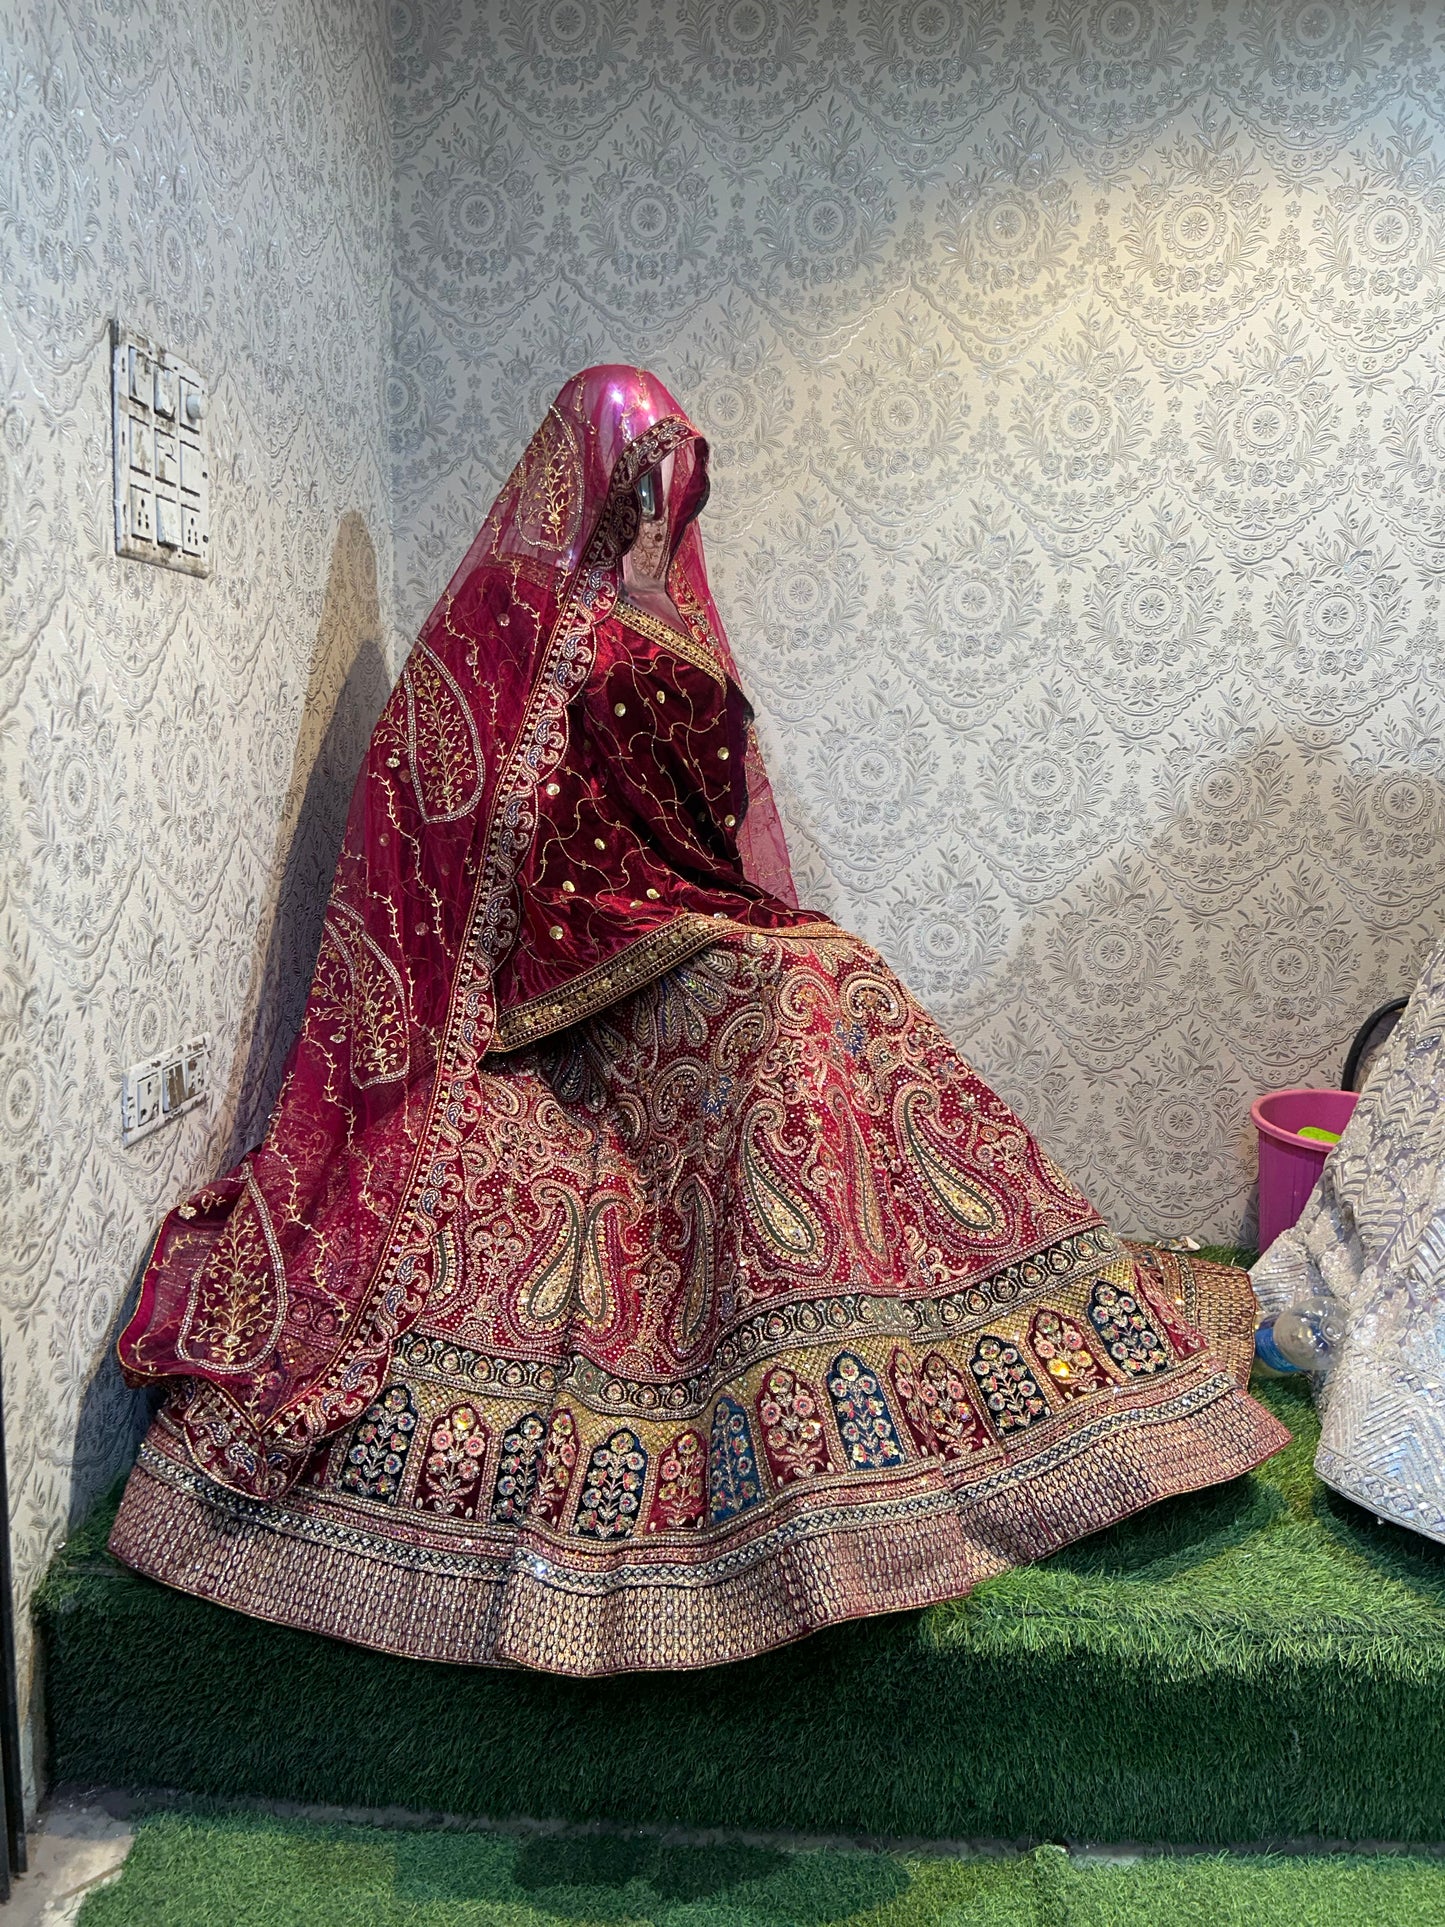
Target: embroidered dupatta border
(641, 963)
(644, 623)
(397, 1290)
(651, 956)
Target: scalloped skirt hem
(847, 1549)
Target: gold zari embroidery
(656, 630)
(642, 962)
(651, 956)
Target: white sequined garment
(1374, 1234)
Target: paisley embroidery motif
(681, 1477)
(545, 1300)
(449, 1272)
(1011, 1395)
(376, 1457)
(451, 1473)
(780, 1219)
(864, 1206)
(790, 1415)
(612, 1491)
(965, 1203)
(574, 1277)
(590, 1293)
(937, 1407)
(237, 1301)
(554, 1476)
(442, 745)
(371, 999)
(733, 1485)
(517, 1469)
(681, 1009)
(1129, 1338)
(865, 1424)
(1063, 1351)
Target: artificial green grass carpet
(250, 1871)
(1256, 1662)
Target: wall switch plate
(159, 412)
(161, 1088)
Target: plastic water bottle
(1304, 1337)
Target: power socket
(154, 1092)
(142, 514)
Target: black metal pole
(1364, 1036)
(9, 1691)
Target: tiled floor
(73, 1848)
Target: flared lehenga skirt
(760, 1311)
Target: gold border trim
(643, 623)
(641, 962)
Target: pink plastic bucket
(1290, 1165)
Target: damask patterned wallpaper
(177, 755)
(1076, 378)
(1075, 373)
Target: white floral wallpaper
(1076, 377)
(176, 755)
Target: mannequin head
(644, 566)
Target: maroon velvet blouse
(637, 831)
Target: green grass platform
(1254, 1663)
(251, 1870)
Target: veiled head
(575, 488)
(556, 538)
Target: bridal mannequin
(632, 1275)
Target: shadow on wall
(347, 691)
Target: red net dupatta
(278, 1290)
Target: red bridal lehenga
(632, 1274)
